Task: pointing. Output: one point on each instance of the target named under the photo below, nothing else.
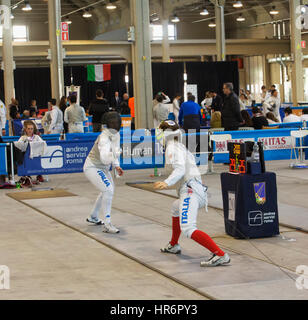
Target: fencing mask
(113, 121)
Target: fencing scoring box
(250, 205)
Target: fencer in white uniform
(102, 158)
(56, 125)
(273, 104)
(192, 194)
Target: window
(157, 32)
(20, 33)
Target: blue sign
(61, 157)
(3, 163)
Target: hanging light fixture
(27, 6)
(274, 11)
(111, 6)
(240, 18)
(212, 24)
(12, 16)
(87, 14)
(238, 4)
(204, 12)
(175, 19)
(67, 20)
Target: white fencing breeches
(76, 127)
(56, 130)
(192, 198)
(102, 180)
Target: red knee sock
(206, 241)
(176, 230)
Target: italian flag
(99, 72)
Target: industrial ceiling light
(238, 4)
(12, 16)
(240, 18)
(111, 6)
(87, 14)
(204, 12)
(67, 20)
(212, 24)
(27, 6)
(175, 19)
(154, 19)
(274, 11)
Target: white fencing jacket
(182, 165)
(106, 150)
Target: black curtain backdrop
(34, 83)
(212, 75)
(88, 89)
(168, 78)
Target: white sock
(107, 218)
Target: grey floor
(53, 254)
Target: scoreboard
(238, 158)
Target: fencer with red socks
(192, 194)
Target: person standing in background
(124, 107)
(166, 99)
(263, 94)
(216, 102)
(116, 102)
(97, 109)
(176, 106)
(231, 110)
(63, 105)
(74, 115)
(56, 125)
(2, 118)
(273, 104)
(190, 114)
(207, 102)
(161, 112)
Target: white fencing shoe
(109, 228)
(95, 221)
(176, 249)
(216, 261)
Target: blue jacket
(187, 110)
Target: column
(220, 30)
(7, 57)
(296, 49)
(165, 43)
(55, 43)
(142, 68)
(266, 71)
